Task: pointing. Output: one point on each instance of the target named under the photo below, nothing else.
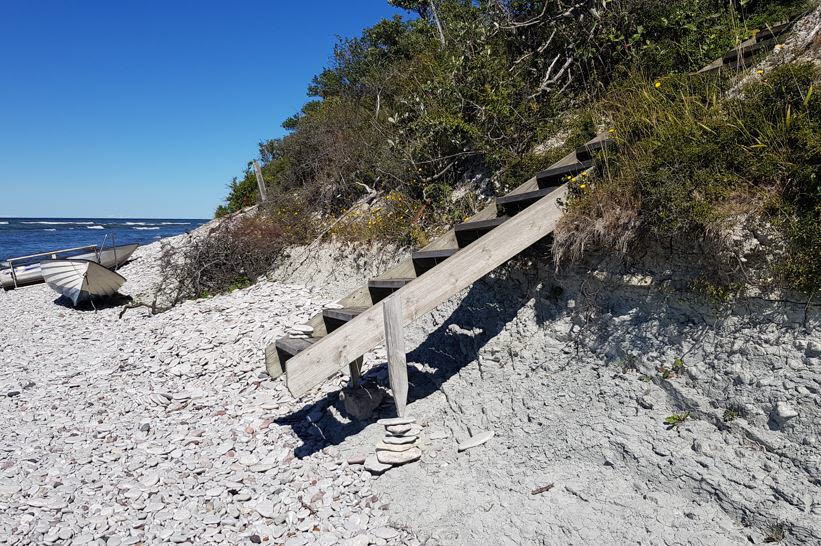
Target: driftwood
(542, 489)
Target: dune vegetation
(481, 95)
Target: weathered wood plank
(395, 345)
(322, 360)
(406, 268)
(263, 191)
(355, 369)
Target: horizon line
(100, 218)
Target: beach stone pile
(165, 429)
(399, 446)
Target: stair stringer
(333, 352)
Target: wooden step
(511, 204)
(556, 176)
(334, 318)
(585, 151)
(288, 347)
(468, 232)
(743, 53)
(382, 288)
(463, 268)
(772, 32)
(424, 260)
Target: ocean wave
(146, 227)
(49, 229)
(60, 223)
(4, 223)
(95, 227)
(175, 223)
(138, 224)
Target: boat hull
(26, 275)
(81, 280)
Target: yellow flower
(611, 131)
(582, 186)
(759, 72)
(658, 84)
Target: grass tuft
(695, 162)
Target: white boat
(23, 275)
(81, 280)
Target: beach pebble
(397, 440)
(394, 447)
(398, 429)
(783, 412)
(166, 428)
(399, 457)
(476, 440)
(374, 465)
(396, 421)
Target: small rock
(361, 540)
(374, 466)
(397, 421)
(476, 440)
(399, 457)
(385, 533)
(783, 412)
(265, 509)
(382, 446)
(399, 429)
(356, 460)
(398, 440)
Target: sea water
(23, 236)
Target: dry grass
(692, 162)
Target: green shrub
(691, 163)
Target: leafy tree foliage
(400, 109)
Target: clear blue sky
(149, 108)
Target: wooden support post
(263, 192)
(356, 371)
(395, 345)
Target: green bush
(692, 162)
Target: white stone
(476, 440)
(382, 446)
(399, 457)
(396, 421)
(397, 440)
(373, 465)
(784, 412)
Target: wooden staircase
(431, 275)
(763, 41)
(469, 251)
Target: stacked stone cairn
(399, 446)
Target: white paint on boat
(81, 280)
(25, 275)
